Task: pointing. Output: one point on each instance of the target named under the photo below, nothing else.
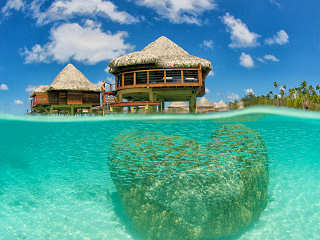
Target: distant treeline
(303, 97)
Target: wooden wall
(67, 98)
(41, 98)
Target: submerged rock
(173, 188)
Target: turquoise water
(56, 184)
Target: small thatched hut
(240, 105)
(221, 106)
(69, 92)
(177, 107)
(161, 72)
(204, 106)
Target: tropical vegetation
(303, 97)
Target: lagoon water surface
(55, 180)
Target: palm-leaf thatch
(221, 106)
(178, 105)
(70, 78)
(40, 89)
(205, 103)
(162, 53)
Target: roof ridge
(71, 78)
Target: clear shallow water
(55, 179)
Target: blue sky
(250, 43)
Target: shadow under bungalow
(144, 81)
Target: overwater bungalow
(178, 107)
(161, 72)
(204, 106)
(70, 92)
(221, 106)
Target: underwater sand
(55, 181)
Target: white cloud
(18, 102)
(87, 44)
(280, 38)
(67, 9)
(30, 88)
(233, 97)
(107, 69)
(211, 73)
(207, 90)
(271, 58)
(99, 84)
(249, 91)
(246, 60)
(241, 36)
(3, 86)
(207, 44)
(12, 5)
(110, 79)
(260, 59)
(276, 3)
(182, 11)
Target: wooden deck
(156, 78)
(135, 104)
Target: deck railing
(159, 78)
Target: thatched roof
(178, 105)
(204, 103)
(162, 53)
(70, 78)
(40, 89)
(221, 105)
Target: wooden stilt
(193, 104)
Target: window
(190, 76)
(173, 76)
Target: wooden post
(182, 80)
(122, 80)
(200, 75)
(193, 103)
(120, 98)
(163, 106)
(103, 88)
(103, 93)
(134, 79)
(151, 99)
(148, 78)
(151, 95)
(165, 77)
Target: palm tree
(306, 97)
(303, 87)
